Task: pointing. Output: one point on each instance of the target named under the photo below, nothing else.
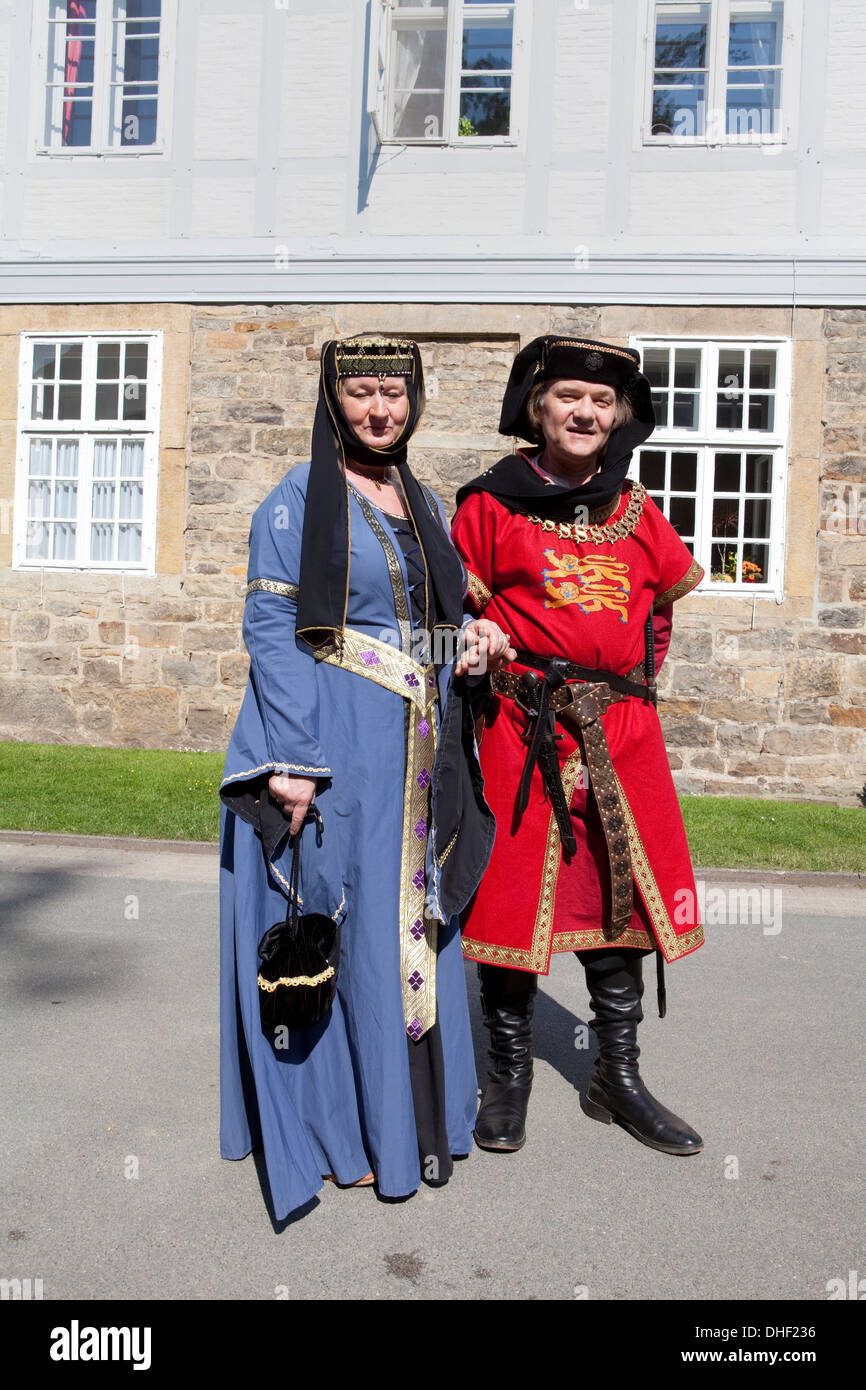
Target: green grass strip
(162, 795)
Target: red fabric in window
(74, 10)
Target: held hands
(294, 796)
(486, 648)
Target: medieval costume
(341, 601)
(572, 750)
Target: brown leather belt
(579, 706)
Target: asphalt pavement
(113, 1188)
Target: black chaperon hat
(324, 574)
(552, 358)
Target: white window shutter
(380, 14)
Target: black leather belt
(578, 696)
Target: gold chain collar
(609, 531)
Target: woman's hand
(487, 648)
(294, 796)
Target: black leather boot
(616, 1092)
(508, 1000)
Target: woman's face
(375, 407)
(576, 419)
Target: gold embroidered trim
(272, 586)
(263, 767)
(589, 937)
(478, 591)
(270, 985)
(605, 534)
(374, 357)
(575, 342)
(395, 574)
(418, 930)
(693, 575)
(384, 666)
(673, 946)
(448, 848)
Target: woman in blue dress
(354, 604)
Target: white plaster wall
(228, 69)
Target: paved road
(112, 1185)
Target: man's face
(576, 419)
(375, 408)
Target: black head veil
(324, 576)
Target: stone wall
(758, 698)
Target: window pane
(418, 87)
(38, 500)
(759, 473)
(70, 362)
(656, 366)
(108, 362)
(42, 403)
(729, 413)
(727, 473)
(69, 403)
(726, 516)
(682, 515)
(762, 370)
(756, 518)
(65, 500)
(754, 38)
(761, 412)
(732, 366)
(134, 399)
(687, 368)
(724, 563)
(756, 564)
(652, 469)
(486, 111)
(684, 472)
(129, 543)
(135, 72)
(67, 458)
(40, 458)
(131, 499)
(753, 104)
(101, 541)
(64, 541)
(685, 410)
(679, 88)
(44, 355)
(104, 458)
(37, 541)
(106, 401)
(132, 459)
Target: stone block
(148, 714)
(275, 441)
(759, 765)
(211, 637)
(154, 634)
(234, 671)
(684, 733)
(691, 644)
(849, 643)
(813, 675)
(192, 670)
(841, 617)
(104, 670)
(703, 680)
(220, 439)
(797, 742)
(30, 627)
(207, 726)
(112, 634)
(48, 661)
(849, 716)
(763, 682)
(731, 735)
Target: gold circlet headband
(375, 357)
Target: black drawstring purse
(298, 971)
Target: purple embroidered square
(416, 980)
(370, 659)
(411, 679)
(423, 728)
(417, 929)
(420, 828)
(423, 778)
(431, 680)
(419, 880)
(415, 1030)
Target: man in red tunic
(581, 569)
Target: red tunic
(588, 601)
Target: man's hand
(486, 648)
(294, 796)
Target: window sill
(458, 143)
(43, 152)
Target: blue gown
(338, 1098)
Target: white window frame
(715, 133)
(100, 148)
(708, 439)
(87, 430)
(381, 61)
